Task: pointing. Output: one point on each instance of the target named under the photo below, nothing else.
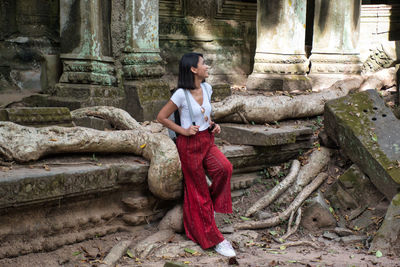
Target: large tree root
(316, 163)
(117, 117)
(156, 240)
(262, 109)
(24, 144)
(381, 79)
(116, 253)
(276, 191)
(292, 207)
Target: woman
(198, 153)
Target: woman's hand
(192, 130)
(217, 128)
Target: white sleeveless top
(179, 100)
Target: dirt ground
(262, 251)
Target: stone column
(143, 67)
(280, 62)
(88, 70)
(335, 39)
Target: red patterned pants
(197, 154)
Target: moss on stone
(396, 200)
(350, 112)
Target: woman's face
(202, 69)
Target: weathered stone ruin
(99, 72)
(359, 124)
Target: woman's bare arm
(163, 115)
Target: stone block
(24, 186)
(74, 96)
(37, 117)
(359, 186)
(145, 98)
(368, 219)
(317, 215)
(260, 135)
(369, 134)
(387, 239)
(277, 82)
(243, 180)
(51, 70)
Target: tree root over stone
(23, 144)
(263, 109)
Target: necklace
(203, 111)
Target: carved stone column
(335, 38)
(88, 70)
(280, 62)
(143, 67)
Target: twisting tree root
(303, 195)
(276, 191)
(291, 230)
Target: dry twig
(300, 243)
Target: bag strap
(189, 105)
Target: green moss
(396, 200)
(350, 112)
(149, 91)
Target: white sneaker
(225, 249)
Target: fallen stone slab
(387, 239)
(261, 135)
(369, 133)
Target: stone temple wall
(224, 30)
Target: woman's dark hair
(186, 76)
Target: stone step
(246, 158)
(261, 135)
(243, 180)
(37, 116)
(70, 176)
